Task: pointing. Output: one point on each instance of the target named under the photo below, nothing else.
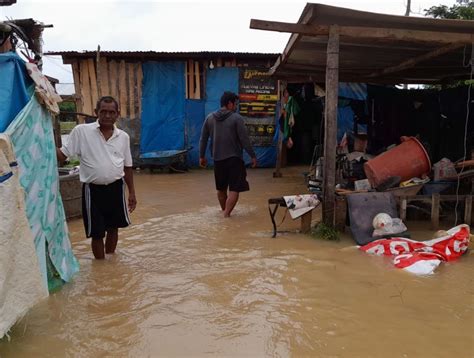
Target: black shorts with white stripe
(104, 207)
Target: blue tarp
(345, 121)
(357, 91)
(227, 79)
(266, 156)
(14, 84)
(163, 106)
(194, 120)
(218, 81)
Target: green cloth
(31, 133)
(292, 108)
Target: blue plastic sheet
(357, 91)
(14, 84)
(219, 80)
(266, 156)
(345, 121)
(194, 120)
(163, 106)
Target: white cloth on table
(301, 204)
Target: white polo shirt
(102, 161)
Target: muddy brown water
(187, 282)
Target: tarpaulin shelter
(33, 219)
(164, 97)
(331, 44)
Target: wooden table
(277, 202)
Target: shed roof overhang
(374, 48)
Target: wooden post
(306, 222)
(330, 132)
(468, 210)
(277, 172)
(403, 208)
(435, 211)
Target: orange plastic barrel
(407, 160)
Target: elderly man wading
(228, 137)
(105, 168)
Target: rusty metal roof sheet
(366, 59)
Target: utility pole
(407, 13)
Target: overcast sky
(172, 26)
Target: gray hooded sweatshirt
(228, 135)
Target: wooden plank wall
(196, 74)
(123, 81)
(119, 79)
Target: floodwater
(187, 282)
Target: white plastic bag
(385, 225)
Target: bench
(435, 201)
(276, 203)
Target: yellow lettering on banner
(267, 97)
(249, 74)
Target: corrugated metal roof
(158, 55)
(363, 59)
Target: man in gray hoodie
(228, 139)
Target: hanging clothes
(292, 109)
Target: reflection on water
(187, 282)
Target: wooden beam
(414, 61)
(136, 99)
(93, 82)
(103, 74)
(277, 26)
(122, 80)
(139, 88)
(113, 80)
(307, 17)
(191, 78)
(365, 32)
(468, 210)
(97, 70)
(330, 132)
(87, 106)
(77, 86)
(435, 211)
(277, 172)
(131, 90)
(197, 76)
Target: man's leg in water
(111, 240)
(97, 245)
(222, 196)
(231, 201)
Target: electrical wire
(468, 107)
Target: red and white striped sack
(422, 258)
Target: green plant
(324, 232)
(462, 11)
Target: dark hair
(107, 99)
(228, 97)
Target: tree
(463, 11)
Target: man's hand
(254, 162)
(202, 162)
(60, 155)
(132, 202)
